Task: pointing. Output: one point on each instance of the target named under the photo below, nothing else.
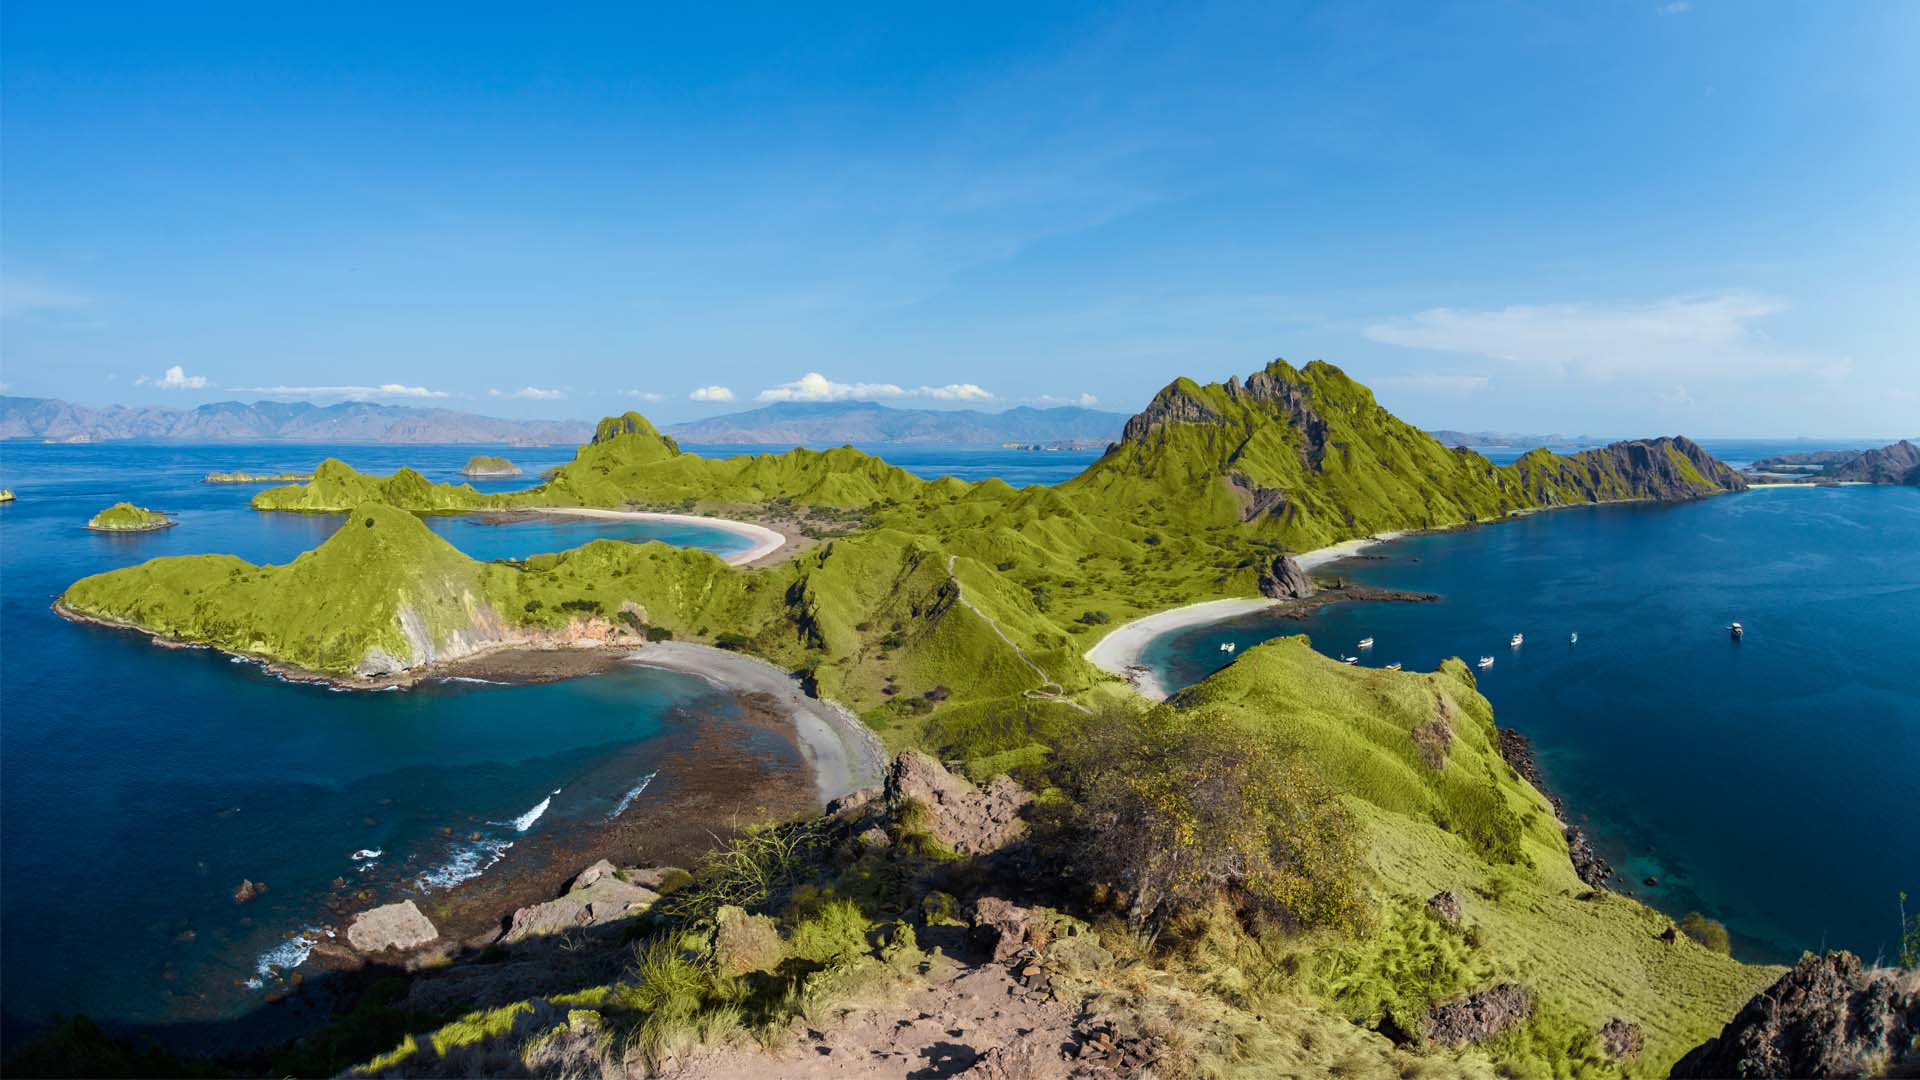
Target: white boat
(1226, 646)
(1517, 639)
(1395, 666)
(1366, 643)
(1736, 630)
(1574, 638)
(1349, 659)
(1486, 662)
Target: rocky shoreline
(1517, 750)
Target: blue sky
(1610, 218)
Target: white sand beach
(845, 755)
(1119, 652)
(765, 541)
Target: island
(244, 477)
(489, 467)
(126, 517)
(6, 495)
(1895, 463)
(1304, 860)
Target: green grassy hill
(126, 517)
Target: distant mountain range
(1501, 438)
(53, 420)
(840, 422)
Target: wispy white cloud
(1457, 384)
(19, 297)
(1085, 401)
(712, 393)
(953, 392)
(529, 393)
(1675, 7)
(351, 393)
(1697, 336)
(814, 386)
(176, 378)
(643, 395)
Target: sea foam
(632, 794)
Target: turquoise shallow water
(1770, 783)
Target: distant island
(487, 466)
(244, 477)
(126, 517)
(838, 423)
(56, 421)
(1897, 463)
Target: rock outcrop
(597, 897)
(1285, 580)
(743, 943)
(1621, 1039)
(391, 926)
(1477, 1016)
(1829, 1016)
(970, 820)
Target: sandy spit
(765, 541)
(845, 755)
(1119, 652)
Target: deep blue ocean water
(1771, 783)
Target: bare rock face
(1826, 1017)
(1285, 580)
(391, 926)
(968, 819)
(1477, 1016)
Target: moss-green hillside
(1455, 816)
(489, 465)
(126, 517)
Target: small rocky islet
(124, 517)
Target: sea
(1769, 783)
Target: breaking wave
(632, 794)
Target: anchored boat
(1486, 662)
(1517, 639)
(1736, 630)
(1226, 646)
(1366, 643)
(1573, 638)
(1395, 666)
(1349, 659)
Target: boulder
(603, 899)
(967, 819)
(1478, 1016)
(391, 926)
(1445, 907)
(743, 942)
(248, 891)
(1829, 1016)
(1001, 927)
(650, 877)
(1285, 580)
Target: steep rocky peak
(629, 423)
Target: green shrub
(1095, 618)
(1909, 936)
(659, 633)
(733, 639)
(1706, 931)
(1172, 810)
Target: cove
(1769, 783)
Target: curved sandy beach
(845, 755)
(1119, 652)
(765, 541)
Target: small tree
(1909, 936)
(1174, 810)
